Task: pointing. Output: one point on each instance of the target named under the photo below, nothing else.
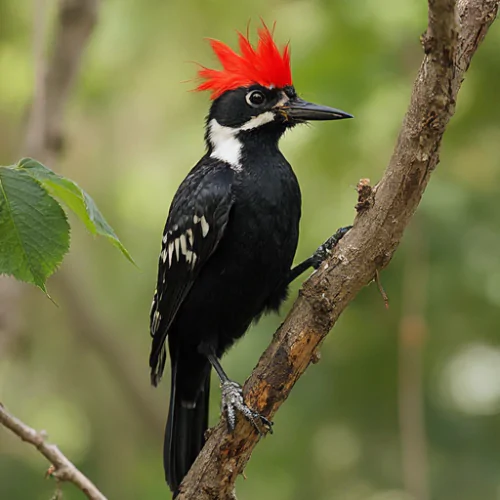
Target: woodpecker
(229, 239)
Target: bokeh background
(405, 403)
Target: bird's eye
(255, 98)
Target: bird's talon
(232, 401)
(327, 247)
(268, 424)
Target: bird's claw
(326, 248)
(232, 401)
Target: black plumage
(227, 251)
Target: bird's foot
(326, 248)
(232, 401)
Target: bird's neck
(232, 145)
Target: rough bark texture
(62, 469)
(454, 33)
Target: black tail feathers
(185, 431)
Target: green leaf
(34, 232)
(75, 198)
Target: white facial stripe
(226, 146)
(257, 121)
(224, 140)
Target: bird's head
(254, 91)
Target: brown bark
(454, 33)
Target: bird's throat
(227, 143)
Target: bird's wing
(195, 225)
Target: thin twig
(378, 281)
(370, 245)
(63, 469)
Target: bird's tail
(186, 426)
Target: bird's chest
(266, 216)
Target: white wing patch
(204, 226)
(182, 245)
(163, 255)
(177, 248)
(170, 253)
(183, 241)
(190, 236)
(156, 320)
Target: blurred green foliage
(133, 132)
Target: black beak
(301, 110)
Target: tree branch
(75, 24)
(53, 81)
(33, 141)
(64, 470)
(449, 44)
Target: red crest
(264, 65)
